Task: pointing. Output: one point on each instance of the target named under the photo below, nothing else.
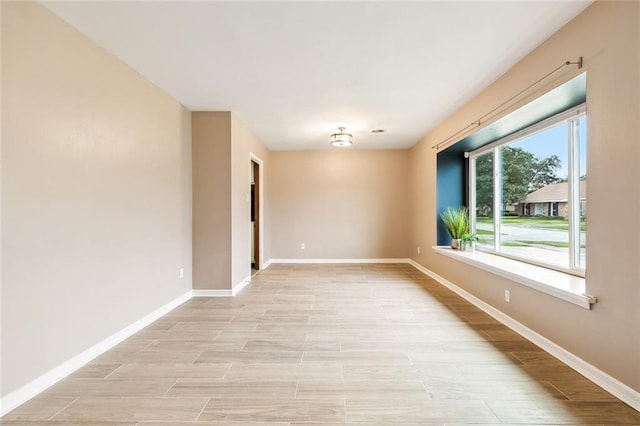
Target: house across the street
(552, 200)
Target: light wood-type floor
(327, 345)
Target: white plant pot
(467, 245)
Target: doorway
(256, 214)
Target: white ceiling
(291, 71)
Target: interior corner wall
(607, 36)
(244, 143)
(341, 203)
(221, 203)
(96, 188)
(211, 139)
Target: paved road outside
(541, 252)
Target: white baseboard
(34, 387)
(599, 377)
(238, 287)
(266, 264)
(369, 260)
(223, 292)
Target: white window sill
(558, 284)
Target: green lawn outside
(483, 232)
(525, 243)
(535, 222)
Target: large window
(528, 193)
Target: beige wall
(96, 187)
(211, 200)
(339, 203)
(607, 35)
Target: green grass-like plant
(456, 221)
(469, 237)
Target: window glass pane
(484, 200)
(582, 161)
(535, 196)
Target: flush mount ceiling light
(341, 139)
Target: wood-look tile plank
(364, 389)
(134, 343)
(551, 372)
(382, 346)
(289, 346)
(298, 330)
(295, 335)
(242, 357)
(565, 412)
(359, 358)
(161, 324)
(41, 407)
(171, 371)
(74, 423)
(147, 357)
(476, 357)
(111, 387)
(200, 316)
(274, 410)
(182, 335)
(166, 409)
(502, 334)
(196, 345)
(213, 326)
(582, 390)
(412, 411)
(401, 372)
(371, 424)
(492, 390)
(234, 389)
(536, 358)
(95, 370)
(211, 423)
(372, 325)
(497, 372)
(284, 372)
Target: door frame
(260, 179)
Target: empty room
(319, 213)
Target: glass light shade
(341, 139)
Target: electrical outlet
(181, 273)
(302, 246)
(418, 250)
(507, 296)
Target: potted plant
(468, 242)
(456, 221)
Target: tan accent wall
(607, 35)
(96, 187)
(339, 203)
(221, 207)
(211, 200)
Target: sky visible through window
(545, 144)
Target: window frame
(571, 116)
